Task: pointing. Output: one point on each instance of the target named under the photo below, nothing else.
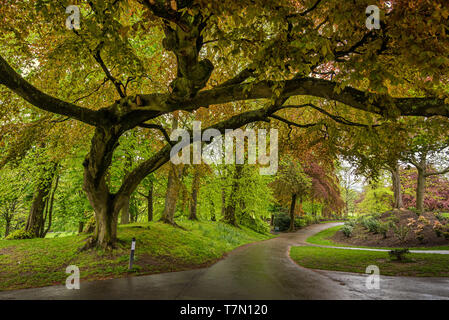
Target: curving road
(257, 271)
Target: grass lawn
(322, 238)
(422, 265)
(159, 248)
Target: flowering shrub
(441, 229)
(417, 225)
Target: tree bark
(223, 201)
(420, 190)
(80, 227)
(195, 191)
(35, 221)
(171, 196)
(7, 226)
(50, 208)
(124, 219)
(150, 202)
(292, 213)
(230, 216)
(397, 191)
(106, 205)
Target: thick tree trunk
(230, 216)
(397, 191)
(35, 221)
(171, 196)
(106, 227)
(420, 190)
(195, 190)
(150, 202)
(106, 206)
(292, 213)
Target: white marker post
(131, 256)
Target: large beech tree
(215, 53)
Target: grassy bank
(159, 248)
(323, 238)
(421, 265)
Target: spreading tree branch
(158, 127)
(41, 100)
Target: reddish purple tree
(324, 188)
(436, 197)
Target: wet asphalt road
(258, 271)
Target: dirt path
(259, 271)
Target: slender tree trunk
(292, 213)
(195, 190)
(7, 226)
(397, 191)
(313, 207)
(420, 190)
(150, 202)
(80, 226)
(34, 224)
(212, 210)
(223, 201)
(50, 208)
(347, 202)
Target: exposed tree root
(172, 223)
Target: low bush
(281, 221)
(300, 222)
(255, 224)
(441, 230)
(347, 230)
(351, 222)
(20, 235)
(400, 232)
(371, 224)
(383, 228)
(398, 254)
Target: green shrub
(255, 224)
(351, 222)
(371, 224)
(441, 218)
(400, 231)
(347, 230)
(19, 235)
(309, 219)
(398, 254)
(281, 221)
(441, 230)
(300, 222)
